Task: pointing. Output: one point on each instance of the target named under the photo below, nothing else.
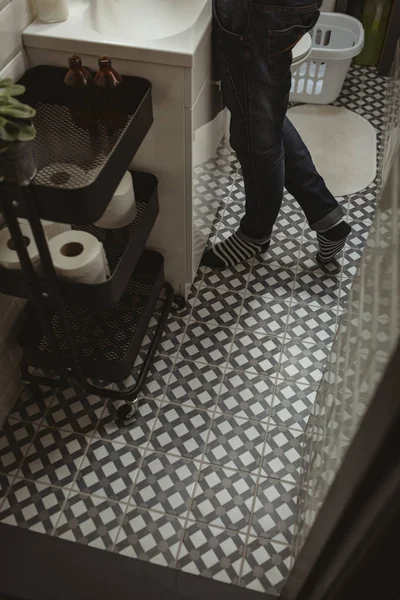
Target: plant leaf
(17, 110)
(13, 132)
(27, 133)
(6, 82)
(12, 90)
(10, 132)
(4, 99)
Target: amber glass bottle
(110, 95)
(80, 82)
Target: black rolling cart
(74, 332)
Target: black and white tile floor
(206, 478)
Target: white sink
(137, 20)
(159, 31)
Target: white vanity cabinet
(186, 132)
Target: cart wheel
(126, 412)
(179, 303)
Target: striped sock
(332, 241)
(232, 251)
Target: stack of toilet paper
(8, 254)
(77, 255)
(122, 208)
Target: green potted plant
(17, 164)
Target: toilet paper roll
(8, 255)
(51, 228)
(122, 208)
(79, 256)
(65, 175)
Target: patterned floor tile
(150, 536)
(234, 279)
(247, 395)
(74, 410)
(234, 211)
(345, 289)
(362, 206)
(317, 288)
(180, 430)
(172, 335)
(312, 324)
(270, 281)
(290, 204)
(353, 89)
(5, 482)
(165, 483)
(237, 193)
(223, 498)
(283, 454)
(194, 384)
(33, 506)
(256, 353)
(109, 470)
(346, 262)
(282, 252)
(309, 234)
(157, 378)
(308, 262)
(217, 307)
(32, 404)
(291, 226)
(136, 433)
(235, 443)
(293, 404)
(211, 552)
(54, 457)
(264, 315)
(224, 163)
(358, 236)
(275, 511)
(91, 521)
(207, 343)
(266, 566)
(303, 363)
(15, 438)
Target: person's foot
(332, 241)
(232, 251)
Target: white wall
(15, 15)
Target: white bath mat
(342, 144)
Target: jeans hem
(329, 220)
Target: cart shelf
(97, 156)
(123, 248)
(83, 332)
(107, 342)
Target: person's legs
(253, 42)
(322, 210)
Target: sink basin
(138, 20)
(158, 31)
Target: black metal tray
(97, 157)
(123, 248)
(107, 342)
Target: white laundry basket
(336, 39)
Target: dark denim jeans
(253, 41)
